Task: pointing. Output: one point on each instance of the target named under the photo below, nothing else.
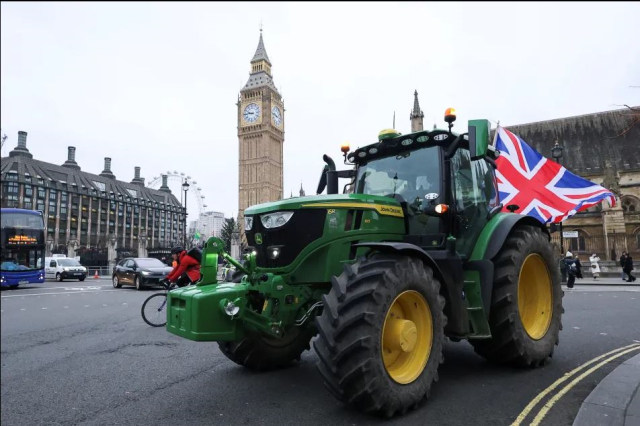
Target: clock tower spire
(260, 136)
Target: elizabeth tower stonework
(260, 137)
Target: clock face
(251, 113)
(276, 115)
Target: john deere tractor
(414, 251)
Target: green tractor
(415, 251)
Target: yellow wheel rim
(407, 336)
(535, 296)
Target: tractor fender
(447, 269)
(503, 228)
(406, 249)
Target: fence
(608, 247)
(103, 271)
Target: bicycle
(154, 312)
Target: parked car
(64, 268)
(139, 272)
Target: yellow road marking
(561, 380)
(545, 409)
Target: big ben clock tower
(260, 137)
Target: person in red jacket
(188, 269)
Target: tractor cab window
(475, 193)
(408, 177)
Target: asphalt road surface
(79, 354)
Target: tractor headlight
(248, 223)
(274, 252)
(275, 220)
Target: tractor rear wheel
(381, 334)
(526, 306)
(263, 353)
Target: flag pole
(495, 135)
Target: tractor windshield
(410, 174)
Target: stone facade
(603, 147)
(260, 136)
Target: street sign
(570, 234)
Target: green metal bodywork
(271, 301)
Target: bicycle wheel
(154, 310)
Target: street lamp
(556, 153)
(185, 188)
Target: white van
(62, 268)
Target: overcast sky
(155, 84)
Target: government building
(94, 216)
(260, 136)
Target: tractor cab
(445, 182)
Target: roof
(260, 79)
(33, 212)
(79, 180)
(591, 141)
(261, 52)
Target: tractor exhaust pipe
(332, 175)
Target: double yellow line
(608, 357)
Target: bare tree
(634, 113)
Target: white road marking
(104, 304)
(22, 309)
(603, 334)
(66, 307)
(67, 293)
(577, 328)
(44, 308)
(86, 306)
(124, 303)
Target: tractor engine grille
(304, 227)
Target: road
(80, 354)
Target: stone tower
(260, 137)
(416, 115)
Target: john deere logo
(258, 238)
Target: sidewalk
(616, 399)
(587, 280)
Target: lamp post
(556, 153)
(185, 188)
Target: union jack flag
(541, 187)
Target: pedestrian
(628, 267)
(570, 265)
(595, 267)
(623, 259)
(578, 268)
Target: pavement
(78, 353)
(616, 399)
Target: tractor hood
(383, 205)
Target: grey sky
(155, 84)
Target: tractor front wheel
(526, 306)
(263, 353)
(381, 334)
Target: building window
(40, 181)
(41, 192)
(11, 188)
(28, 190)
(40, 206)
(52, 194)
(27, 178)
(11, 176)
(577, 244)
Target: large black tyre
(525, 276)
(351, 339)
(263, 353)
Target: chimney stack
(137, 180)
(21, 149)
(71, 159)
(165, 187)
(107, 169)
